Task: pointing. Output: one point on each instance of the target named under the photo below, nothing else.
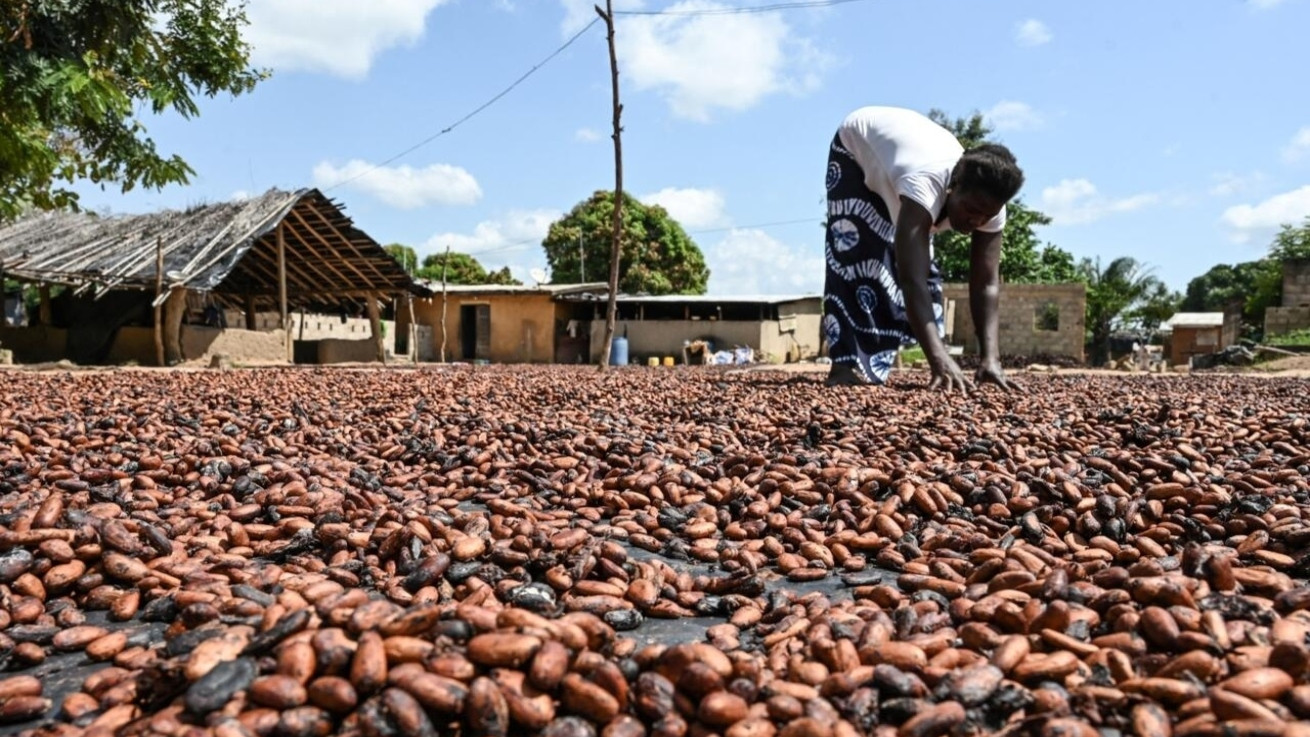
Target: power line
(477, 110)
(516, 245)
(796, 5)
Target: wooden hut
(275, 252)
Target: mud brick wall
(1026, 311)
(1296, 283)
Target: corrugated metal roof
(1195, 320)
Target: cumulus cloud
(692, 208)
(750, 261)
(513, 239)
(339, 37)
(1286, 208)
(1011, 115)
(403, 187)
(1299, 147)
(587, 135)
(1077, 201)
(686, 61)
(1032, 32)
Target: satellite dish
(538, 275)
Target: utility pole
(611, 312)
(444, 263)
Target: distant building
(1196, 333)
(1294, 313)
(565, 323)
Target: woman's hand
(947, 377)
(990, 372)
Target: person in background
(894, 179)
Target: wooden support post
(44, 312)
(375, 326)
(252, 317)
(443, 304)
(174, 312)
(282, 284)
(159, 306)
(413, 329)
(617, 235)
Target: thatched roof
(228, 248)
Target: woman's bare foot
(842, 374)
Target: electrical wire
(517, 245)
(774, 7)
(477, 110)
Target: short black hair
(989, 168)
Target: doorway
(475, 332)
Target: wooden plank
(387, 284)
(300, 219)
(159, 308)
(282, 283)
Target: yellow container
(668, 360)
(652, 361)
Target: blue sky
(1173, 131)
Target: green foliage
(1295, 338)
(1258, 285)
(461, 268)
(1113, 294)
(1154, 307)
(656, 257)
(404, 255)
(1024, 259)
(78, 76)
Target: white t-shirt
(903, 152)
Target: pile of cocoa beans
(480, 550)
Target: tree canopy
(79, 75)
(461, 268)
(1113, 294)
(1258, 284)
(658, 257)
(404, 255)
(1023, 256)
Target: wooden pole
(159, 306)
(413, 329)
(282, 284)
(617, 235)
(375, 327)
(252, 318)
(443, 304)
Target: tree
(461, 268)
(79, 74)
(658, 256)
(404, 255)
(1112, 294)
(1258, 285)
(1023, 257)
(1156, 306)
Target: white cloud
(700, 64)
(340, 37)
(693, 208)
(240, 195)
(513, 240)
(1265, 4)
(403, 187)
(1227, 183)
(1286, 208)
(1299, 147)
(587, 135)
(751, 261)
(1010, 115)
(1032, 32)
(1077, 201)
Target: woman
(895, 177)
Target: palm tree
(1112, 291)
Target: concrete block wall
(1296, 283)
(1020, 308)
(1283, 320)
